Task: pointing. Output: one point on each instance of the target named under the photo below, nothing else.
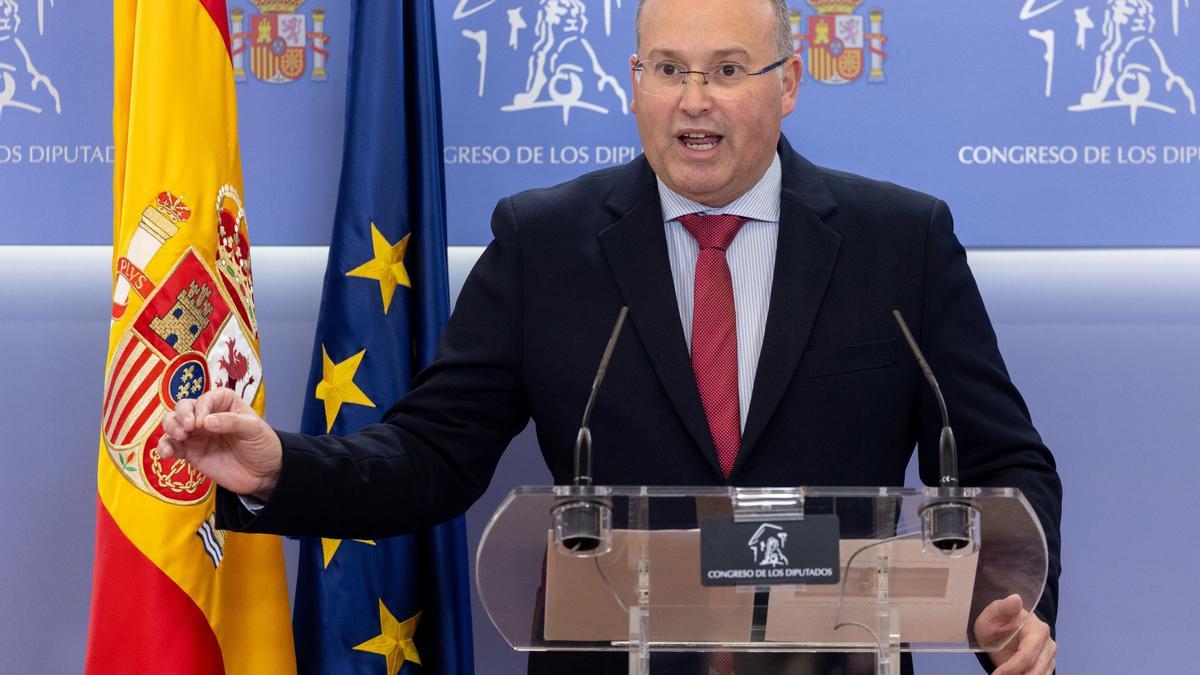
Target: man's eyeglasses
(668, 78)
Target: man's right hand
(222, 436)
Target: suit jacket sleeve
(435, 451)
(998, 445)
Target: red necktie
(720, 663)
(714, 333)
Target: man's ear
(633, 59)
(791, 85)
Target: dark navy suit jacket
(837, 399)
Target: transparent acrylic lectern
(777, 571)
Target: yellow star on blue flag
(395, 640)
(329, 548)
(337, 385)
(386, 267)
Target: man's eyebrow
(663, 54)
(730, 51)
(716, 56)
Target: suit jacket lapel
(635, 247)
(804, 262)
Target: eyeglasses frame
(640, 67)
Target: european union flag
(382, 606)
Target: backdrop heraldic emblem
(278, 42)
(840, 44)
(22, 85)
(1133, 58)
(558, 47)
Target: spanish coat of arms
(278, 41)
(841, 44)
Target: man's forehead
(704, 28)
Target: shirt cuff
(251, 503)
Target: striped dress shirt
(751, 258)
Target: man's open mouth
(700, 140)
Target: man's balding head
(782, 34)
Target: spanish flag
(170, 592)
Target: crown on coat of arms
(171, 207)
(835, 6)
(277, 6)
(164, 214)
(233, 247)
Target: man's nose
(696, 99)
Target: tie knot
(712, 231)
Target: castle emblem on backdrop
(555, 44)
(1133, 59)
(189, 332)
(840, 44)
(277, 42)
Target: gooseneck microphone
(583, 441)
(949, 520)
(947, 449)
(583, 513)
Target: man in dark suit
(761, 348)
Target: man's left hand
(1030, 651)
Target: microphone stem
(583, 442)
(947, 448)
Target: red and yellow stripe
(820, 63)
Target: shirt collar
(760, 202)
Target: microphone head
(583, 528)
(948, 459)
(582, 543)
(950, 527)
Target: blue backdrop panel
(1042, 122)
(972, 101)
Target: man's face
(739, 134)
